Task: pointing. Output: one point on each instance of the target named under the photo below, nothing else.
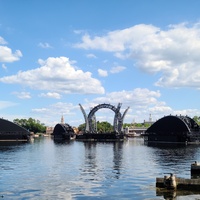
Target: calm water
(85, 170)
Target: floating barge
(173, 129)
(101, 137)
(10, 132)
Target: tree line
(36, 126)
(31, 125)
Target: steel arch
(117, 117)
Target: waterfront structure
(90, 120)
(90, 132)
(182, 184)
(10, 131)
(134, 131)
(49, 130)
(173, 129)
(63, 131)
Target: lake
(77, 170)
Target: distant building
(62, 120)
(150, 122)
(49, 130)
(137, 131)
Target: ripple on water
(79, 170)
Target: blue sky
(57, 54)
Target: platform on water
(101, 137)
(175, 183)
(181, 184)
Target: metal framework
(90, 120)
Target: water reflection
(77, 170)
(10, 145)
(174, 194)
(176, 159)
(95, 163)
(117, 158)
(90, 166)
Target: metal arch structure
(122, 119)
(100, 106)
(90, 120)
(116, 117)
(85, 117)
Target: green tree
(104, 127)
(81, 127)
(101, 127)
(31, 124)
(197, 119)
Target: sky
(55, 55)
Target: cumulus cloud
(61, 107)
(102, 72)
(172, 52)
(6, 54)
(2, 40)
(22, 95)
(117, 69)
(142, 103)
(136, 97)
(51, 95)
(57, 75)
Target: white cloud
(141, 101)
(173, 51)
(102, 72)
(51, 114)
(51, 95)
(117, 69)
(6, 54)
(91, 55)
(4, 66)
(22, 95)
(44, 45)
(2, 41)
(136, 97)
(6, 104)
(57, 75)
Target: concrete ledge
(182, 184)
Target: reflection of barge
(10, 131)
(173, 129)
